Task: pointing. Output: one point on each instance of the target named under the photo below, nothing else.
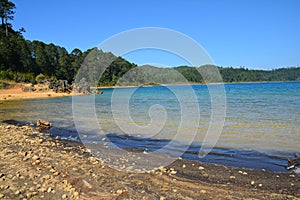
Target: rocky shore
(36, 166)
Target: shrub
(39, 78)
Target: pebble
(75, 194)
(64, 196)
(260, 185)
(232, 177)
(35, 157)
(183, 166)
(201, 168)
(1, 195)
(173, 172)
(252, 182)
(119, 192)
(292, 175)
(49, 190)
(17, 192)
(202, 191)
(162, 198)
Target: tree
(6, 13)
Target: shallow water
(262, 124)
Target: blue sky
(257, 34)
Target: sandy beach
(15, 93)
(37, 166)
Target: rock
(119, 192)
(162, 198)
(201, 168)
(252, 182)
(75, 194)
(260, 185)
(87, 184)
(1, 196)
(43, 124)
(64, 196)
(82, 87)
(202, 191)
(183, 166)
(49, 190)
(232, 177)
(17, 192)
(173, 172)
(35, 158)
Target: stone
(173, 172)
(75, 194)
(43, 124)
(64, 196)
(49, 190)
(201, 168)
(202, 191)
(252, 182)
(82, 87)
(232, 177)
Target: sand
(16, 93)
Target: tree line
(22, 60)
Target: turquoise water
(262, 123)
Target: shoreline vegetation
(37, 166)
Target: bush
(39, 78)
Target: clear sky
(257, 34)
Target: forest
(22, 60)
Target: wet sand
(36, 166)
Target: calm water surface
(262, 124)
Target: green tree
(6, 14)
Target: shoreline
(16, 92)
(59, 169)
